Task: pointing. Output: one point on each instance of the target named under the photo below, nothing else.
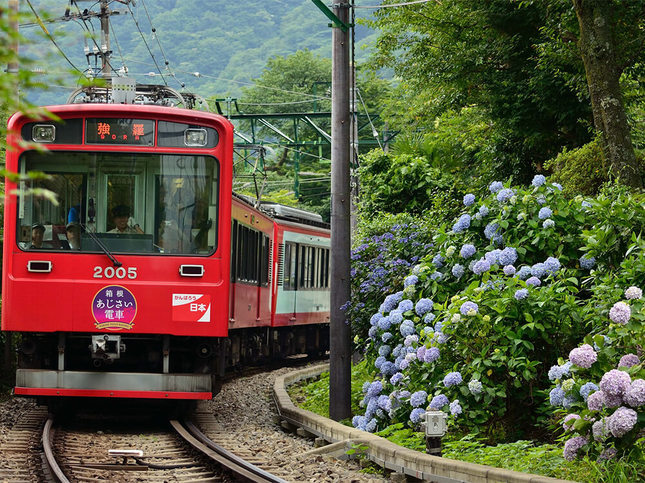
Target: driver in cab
(120, 217)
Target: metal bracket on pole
(331, 16)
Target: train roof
(283, 212)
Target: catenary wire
(136, 22)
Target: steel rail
(50, 459)
(201, 442)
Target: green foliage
(406, 183)
(580, 170)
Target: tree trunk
(598, 51)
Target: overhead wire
(392, 5)
(136, 22)
(51, 37)
(98, 48)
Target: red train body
(175, 278)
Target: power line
(136, 22)
(42, 26)
(82, 17)
(391, 5)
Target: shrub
(581, 170)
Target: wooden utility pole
(340, 331)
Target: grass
(524, 456)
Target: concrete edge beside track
(383, 452)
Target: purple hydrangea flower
(423, 306)
(587, 263)
(467, 250)
(439, 401)
(607, 454)
(481, 266)
(466, 307)
(635, 395)
(521, 294)
(452, 379)
(622, 421)
(417, 415)
(538, 180)
(633, 293)
(620, 313)
(544, 213)
(431, 355)
(615, 382)
(629, 360)
(462, 224)
(600, 430)
(534, 281)
(495, 186)
(418, 398)
(596, 401)
(455, 408)
(469, 199)
(569, 419)
(572, 446)
(583, 356)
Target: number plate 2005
(118, 272)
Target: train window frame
(310, 265)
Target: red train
(146, 277)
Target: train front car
(118, 287)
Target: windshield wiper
(105, 249)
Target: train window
(168, 203)
(290, 266)
(250, 253)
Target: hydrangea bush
(475, 326)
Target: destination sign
(140, 132)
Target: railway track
(179, 453)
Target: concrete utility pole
(105, 40)
(340, 331)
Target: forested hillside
(227, 41)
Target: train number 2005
(119, 272)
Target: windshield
(131, 203)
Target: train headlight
(195, 137)
(43, 133)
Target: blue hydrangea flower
(418, 398)
(538, 270)
(455, 408)
(469, 199)
(521, 294)
(423, 306)
(431, 355)
(587, 262)
(504, 195)
(492, 257)
(396, 378)
(452, 379)
(495, 186)
(548, 223)
(429, 317)
(438, 326)
(491, 230)
(556, 396)
(384, 350)
(552, 265)
(467, 250)
(458, 270)
(481, 266)
(375, 389)
(411, 280)
(534, 281)
(405, 305)
(587, 388)
(375, 318)
(388, 368)
(372, 332)
(475, 387)
(439, 401)
(508, 256)
(467, 307)
(359, 422)
(462, 224)
(396, 316)
(417, 415)
(524, 272)
(509, 270)
(384, 323)
(436, 276)
(438, 260)
(407, 328)
(538, 180)
(370, 427)
(544, 213)
(483, 211)
(386, 337)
